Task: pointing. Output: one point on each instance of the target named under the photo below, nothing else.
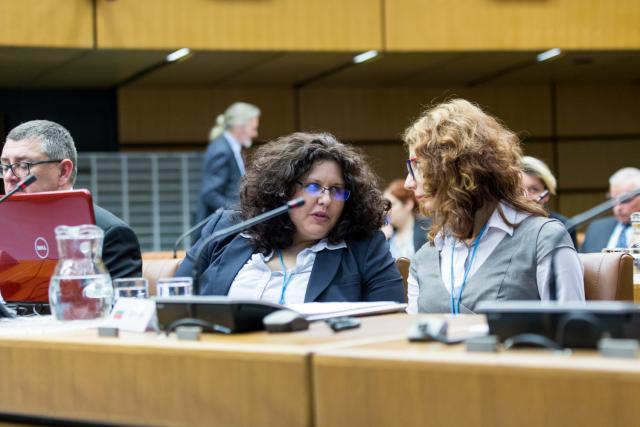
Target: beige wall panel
(501, 24)
(383, 113)
(387, 159)
(573, 204)
(541, 150)
(246, 24)
(589, 164)
(50, 23)
(186, 114)
(604, 109)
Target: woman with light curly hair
(329, 250)
(487, 241)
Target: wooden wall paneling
(503, 25)
(383, 113)
(46, 23)
(602, 109)
(322, 25)
(181, 114)
(589, 164)
(387, 158)
(570, 204)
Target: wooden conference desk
(254, 379)
(365, 377)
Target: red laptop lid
(28, 249)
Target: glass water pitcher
(80, 287)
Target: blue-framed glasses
(412, 163)
(337, 193)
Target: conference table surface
(368, 376)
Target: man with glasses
(615, 231)
(46, 150)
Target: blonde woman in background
(487, 241)
(223, 165)
(406, 230)
(540, 185)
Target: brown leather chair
(403, 265)
(608, 276)
(154, 269)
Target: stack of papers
(327, 310)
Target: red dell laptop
(28, 249)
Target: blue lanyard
(285, 279)
(455, 304)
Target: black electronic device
(567, 324)
(213, 313)
(285, 321)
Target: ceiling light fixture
(179, 54)
(365, 56)
(548, 54)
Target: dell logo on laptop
(42, 248)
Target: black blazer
(598, 234)
(120, 247)
(220, 179)
(363, 271)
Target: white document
(327, 310)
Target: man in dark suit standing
(615, 231)
(223, 165)
(46, 150)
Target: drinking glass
(131, 287)
(174, 286)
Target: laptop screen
(28, 249)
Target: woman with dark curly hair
(487, 240)
(328, 250)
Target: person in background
(406, 229)
(487, 241)
(540, 185)
(223, 164)
(615, 231)
(47, 150)
(330, 249)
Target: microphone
(191, 230)
(27, 181)
(241, 226)
(577, 221)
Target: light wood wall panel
(511, 24)
(186, 114)
(603, 109)
(321, 25)
(383, 113)
(46, 23)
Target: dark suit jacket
(120, 247)
(363, 271)
(563, 219)
(220, 179)
(598, 234)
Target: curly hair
(271, 179)
(468, 160)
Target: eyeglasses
(412, 163)
(22, 169)
(337, 193)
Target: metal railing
(154, 192)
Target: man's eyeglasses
(412, 164)
(22, 169)
(337, 193)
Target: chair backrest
(608, 276)
(403, 265)
(154, 269)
